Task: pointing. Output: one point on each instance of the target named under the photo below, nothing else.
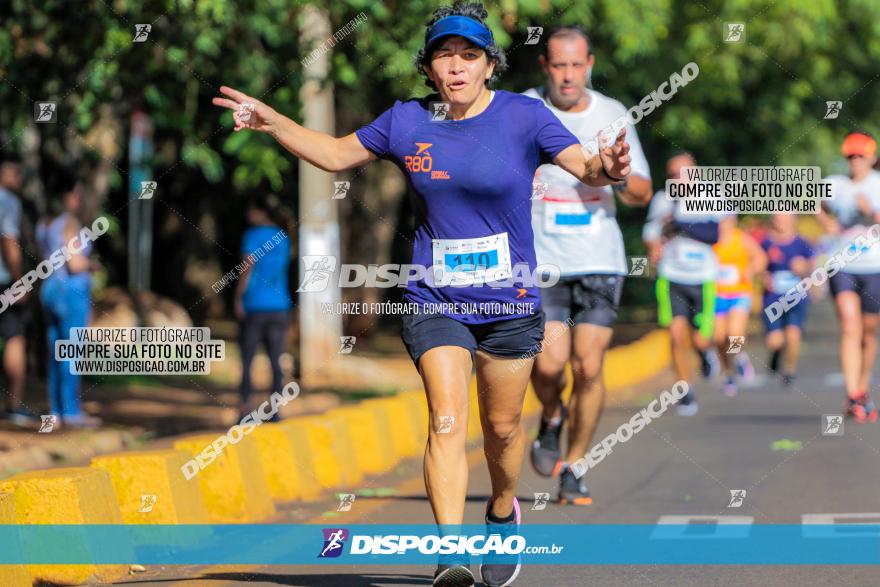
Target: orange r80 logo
(422, 162)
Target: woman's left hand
(615, 158)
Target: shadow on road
(338, 580)
(470, 497)
(760, 419)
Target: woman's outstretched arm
(614, 159)
(320, 149)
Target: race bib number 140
(474, 260)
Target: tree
(758, 102)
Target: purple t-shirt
(779, 257)
(472, 184)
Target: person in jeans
(13, 319)
(262, 301)
(65, 298)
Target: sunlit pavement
(675, 466)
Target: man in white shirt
(856, 287)
(681, 247)
(576, 229)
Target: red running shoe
(862, 409)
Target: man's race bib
(728, 275)
(474, 260)
(866, 253)
(782, 281)
(568, 218)
(690, 255)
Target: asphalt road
(675, 466)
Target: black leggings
(268, 328)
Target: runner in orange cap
(856, 287)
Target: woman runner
(471, 172)
(856, 287)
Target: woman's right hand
(246, 111)
(318, 148)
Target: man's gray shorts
(585, 299)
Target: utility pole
(318, 222)
(140, 206)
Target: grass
(349, 396)
(144, 380)
(136, 441)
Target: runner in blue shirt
(790, 259)
(471, 171)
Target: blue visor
(462, 26)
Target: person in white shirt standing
(856, 287)
(576, 229)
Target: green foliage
(84, 57)
(754, 103)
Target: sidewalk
(142, 413)
(297, 461)
(150, 412)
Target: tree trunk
(318, 227)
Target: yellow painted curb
(418, 409)
(532, 404)
(403, 434)
(12, 575)
(373, 447)
(331, 448)
(233, 485)
(289, 479)
(343, 449)
(304, 464)
(475, 429)
(153, 473)
(318, 443)
(633, 363)
(78, 495)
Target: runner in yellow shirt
(740, 258)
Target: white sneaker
(687, 406)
